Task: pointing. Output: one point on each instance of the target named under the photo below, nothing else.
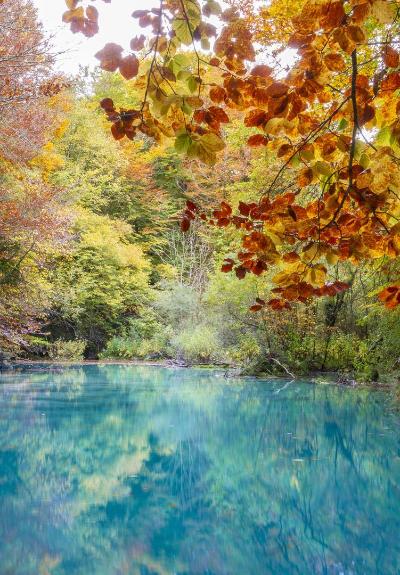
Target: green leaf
(205, 44)
(192, 83)
(322, 168)
(182, 31)
(186, 109)
(185, 25)
(193, 12)
(383, 136)
(364, 161)
(183, 75)
(182, 60)
(183, 143)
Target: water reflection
(114, 470)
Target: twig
(353, 98)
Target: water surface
(127, 470)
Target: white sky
(116, 25)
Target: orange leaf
(391, 82)
(277, 89)
(305, 177)
(390, 296)
(333, 15)
(291, 257)
(391, 57)
(256, 307)
(257, 140)
(261, 70)
(334, 62)
(283, 150)
(217, 94)
(255, 118)
(218, 114)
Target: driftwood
(176, 363)
(285, 369)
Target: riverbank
(318, 377)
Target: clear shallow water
(114, 470)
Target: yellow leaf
(316, 275)
(323, 168)
(332, 258)
(310, 253)
(384, 11)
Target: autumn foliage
(32, 219)
(331, 118)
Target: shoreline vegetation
(229, 371)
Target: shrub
(198, 344)
(131, 347)
(119, 348)
(67, 350)
(246, 350)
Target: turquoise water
(114, 470)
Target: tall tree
(32, 218)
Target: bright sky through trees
(116, 26)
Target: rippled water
(116, 469)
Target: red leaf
(137, 43)
(129, 67)
(139, 13)
(240, 272)
(107, 104)
(191, 206)
(256, 307)
(185, 224)
(92, 13)
(227, 265)
(110, 57)
(118, 130)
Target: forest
(225, 191)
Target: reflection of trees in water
(120, 470)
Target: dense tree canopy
(332, 119)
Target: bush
(67, 350)
(130, 347)
(119, 348)
(38, 346)
(199, 344)
(246, 350)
